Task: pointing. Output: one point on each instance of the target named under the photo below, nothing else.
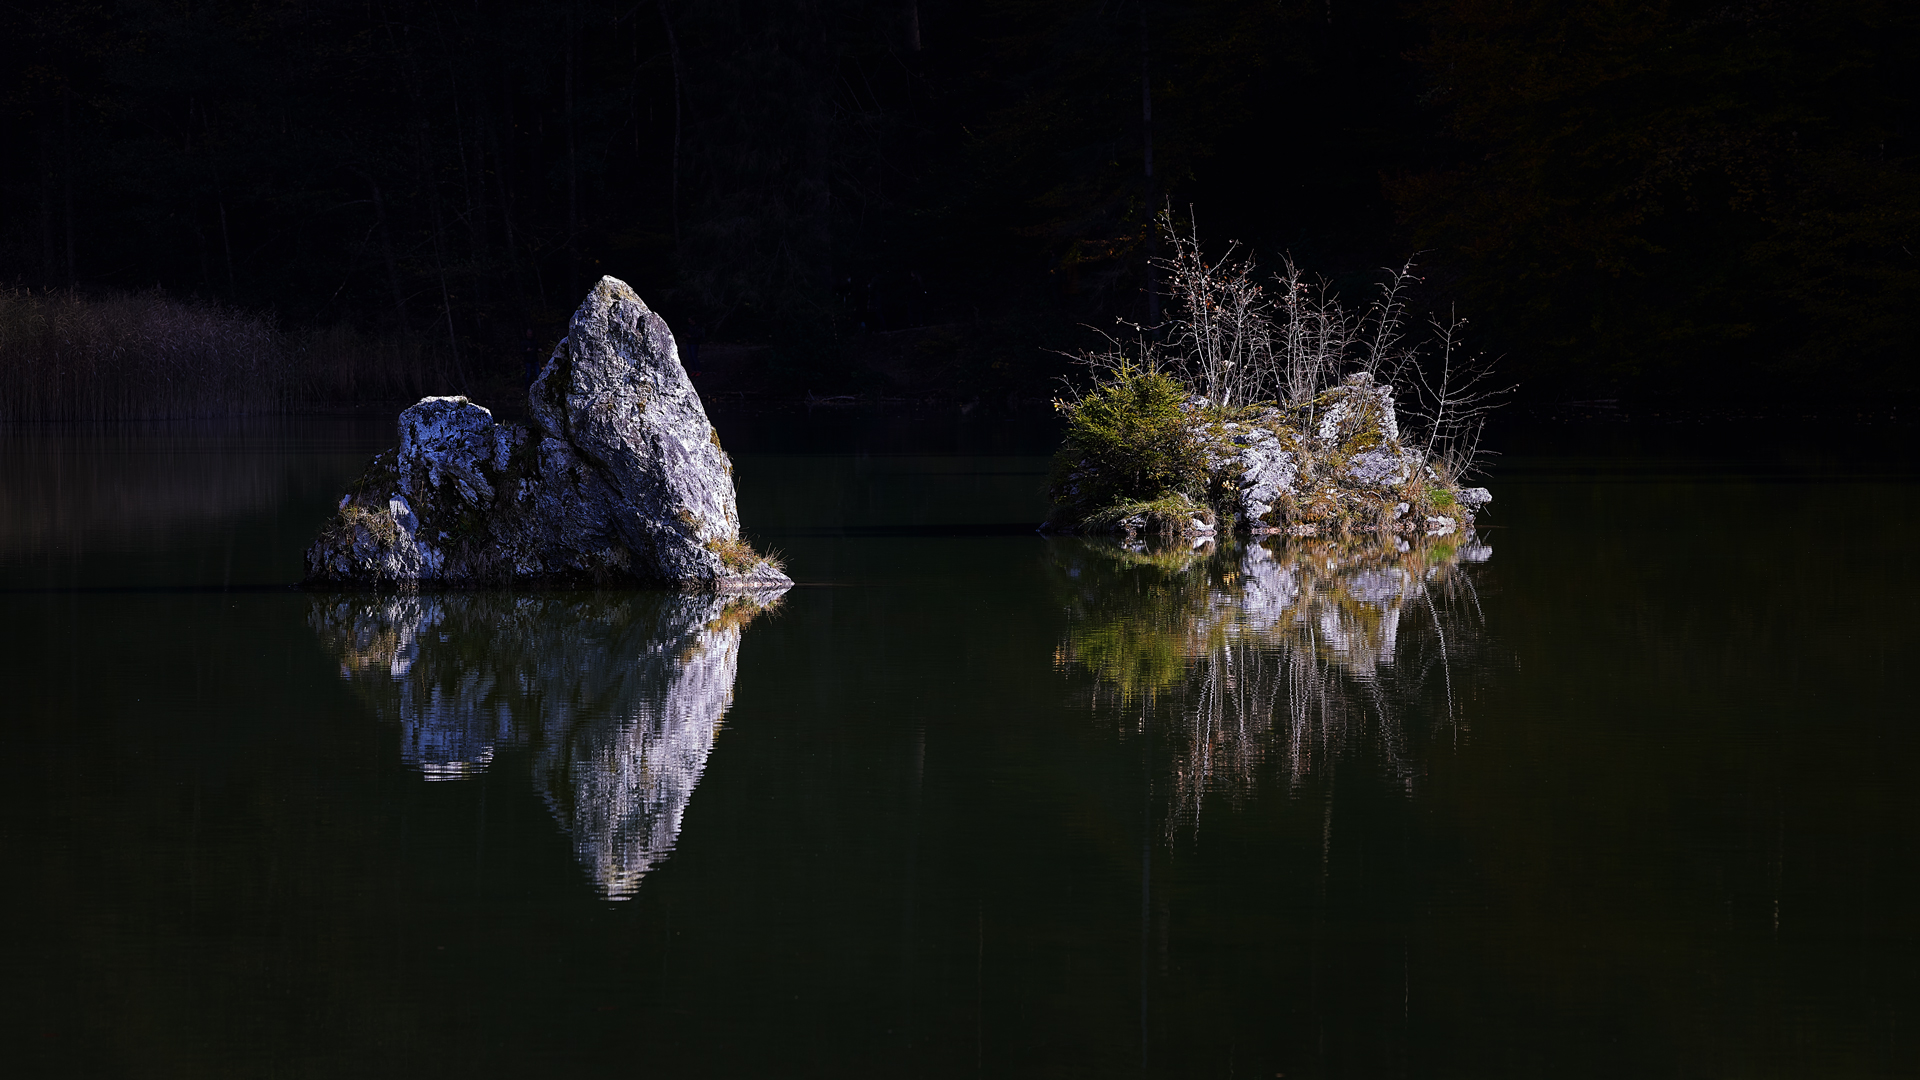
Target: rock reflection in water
(1305, 648)
(619, 697)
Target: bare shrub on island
(1290, 397)
(1220, 341)
(1454, 395)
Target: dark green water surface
(1622, 785)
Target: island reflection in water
(1303, 648)
(619, 696)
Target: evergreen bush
(1128, 440)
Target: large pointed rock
(615, 392)
(621, 481)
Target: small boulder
(450, 439)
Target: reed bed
(148, 356)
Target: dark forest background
(1651, 199)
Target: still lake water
(1622, 785)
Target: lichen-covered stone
(620, 482)
(1265, 472)
(616, 391)
(1388, 466)
(1357, 411)
(451, 440)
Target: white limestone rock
(450, 439)
(616, 393)
(1386, 467)
(1266, 471)
(1357, 407)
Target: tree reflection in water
(619, 696)
(1301, 649)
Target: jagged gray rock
(1266, 473)
(621, 481)
(1386, 467)
(1356, 407)
(1337, 465)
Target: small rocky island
(619, 482)
(1262, 404)
(1144, 458)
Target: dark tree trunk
(573, 167)
(475, 217)
(200, 244)
(502, 163)
(673, 184)
(48, 269)
(219, 198)
(1146, 138)
(66, 110)
(423, 164)
(386, 251)
(226, 246)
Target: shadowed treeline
(1692, 200)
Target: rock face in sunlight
(620, 481)
(618, 697)
(1259, 468)
(1340, 468)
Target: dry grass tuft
(739, 557)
